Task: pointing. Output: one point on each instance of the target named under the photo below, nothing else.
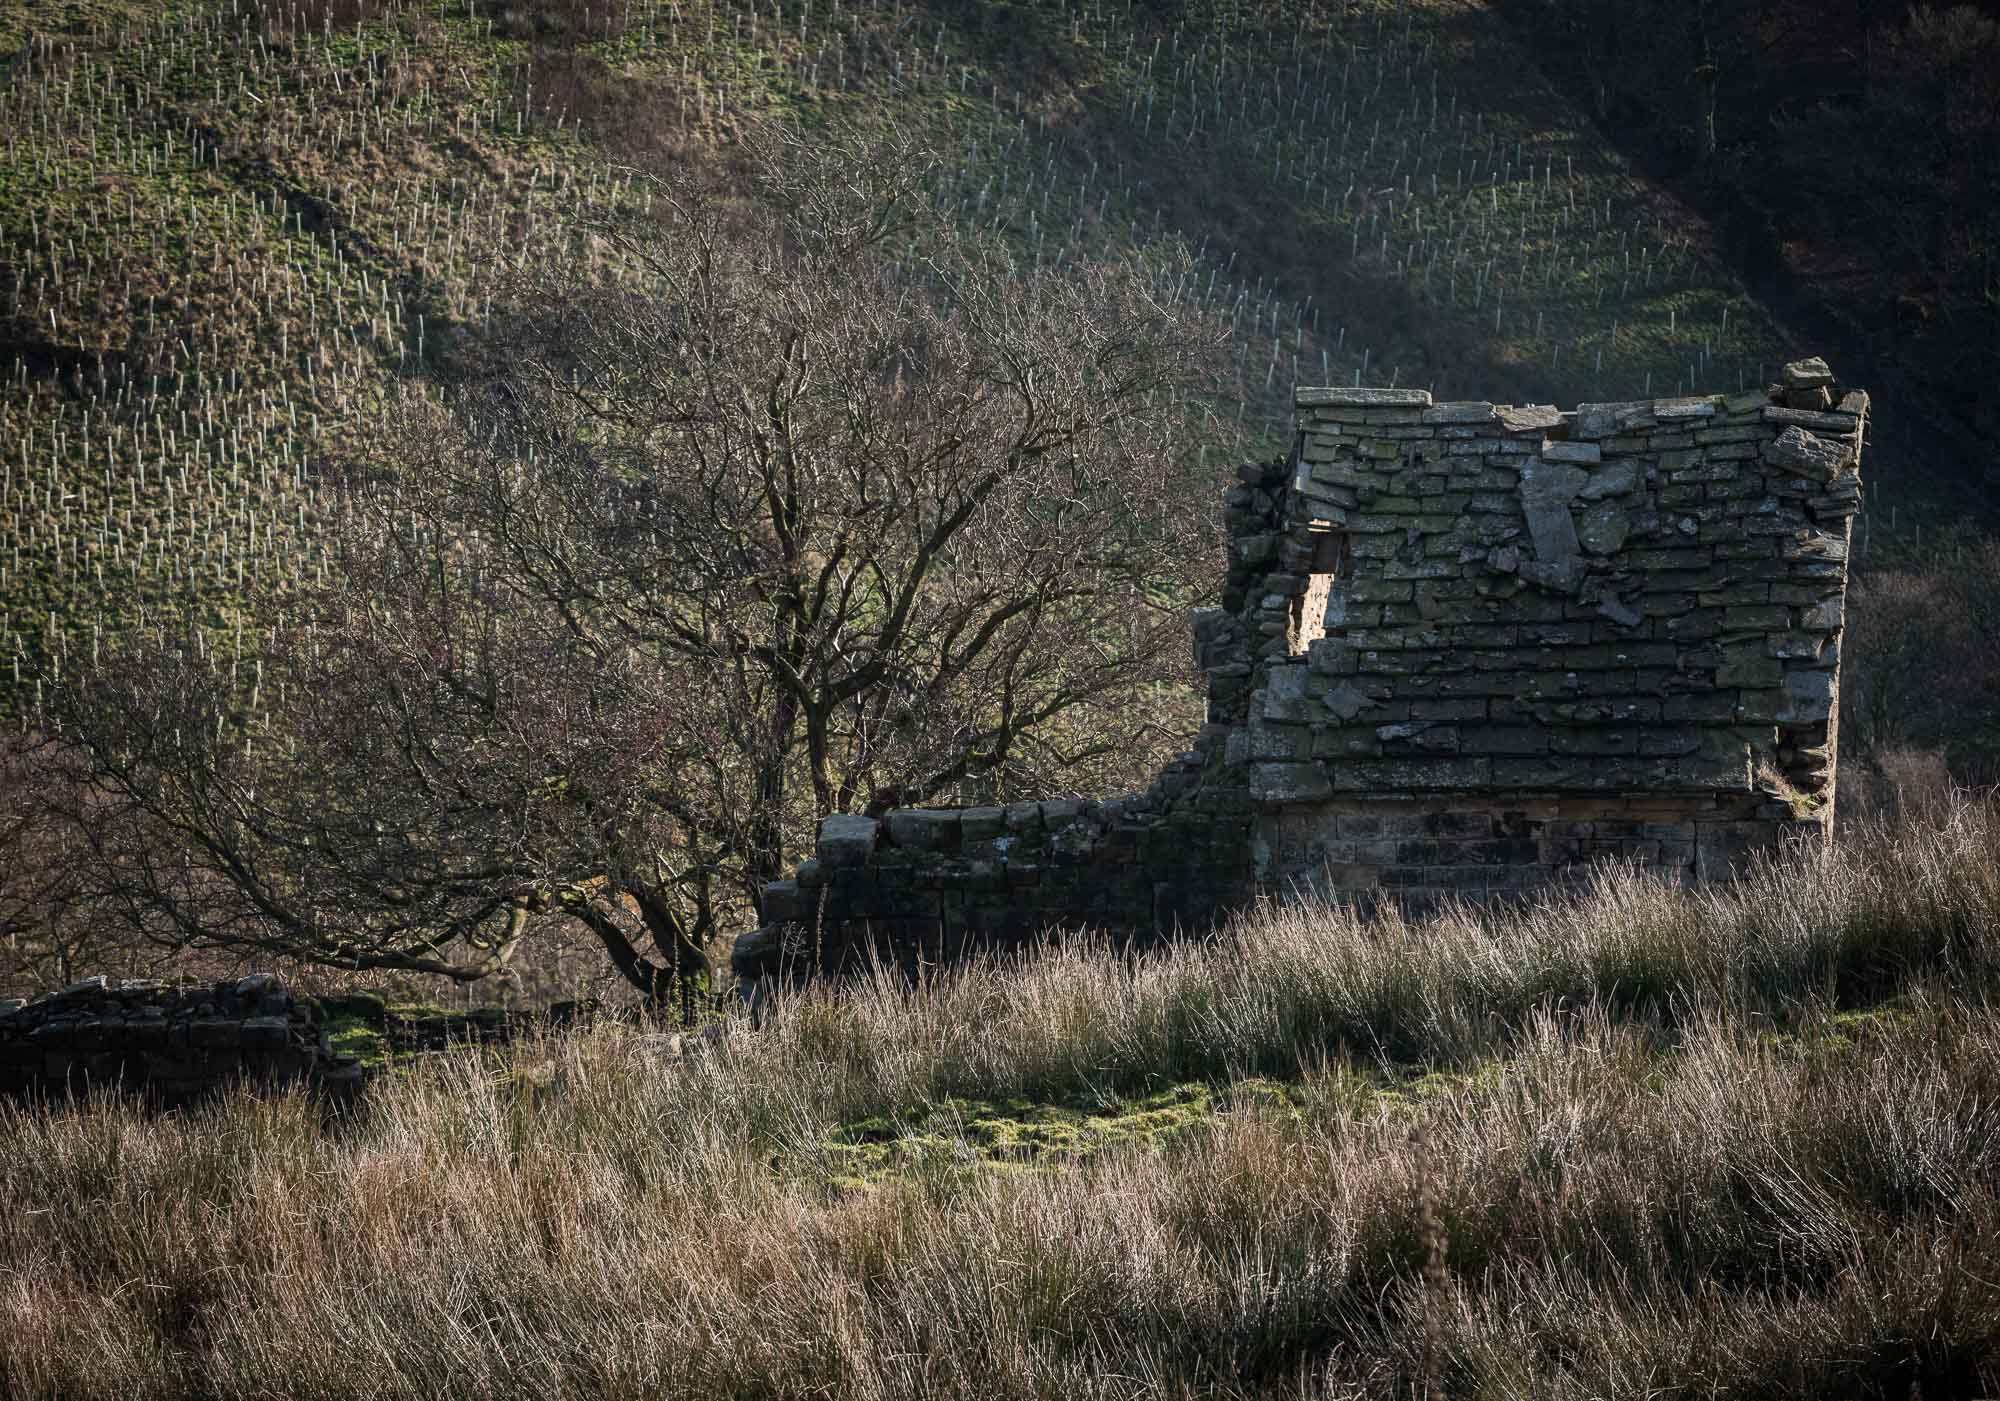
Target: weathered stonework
(1464, 651)
(171, 1045)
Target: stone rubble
(172, 1045)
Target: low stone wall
(929, 886)
(173, 1045)
(1465, 651)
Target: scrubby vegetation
(1736, 1142)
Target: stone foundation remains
(1465, 651)
(173, 1046)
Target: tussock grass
(1891, 909)
(1652, 1156)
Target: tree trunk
(682, 945)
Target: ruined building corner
(1464, 651)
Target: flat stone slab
(1309, 398)
(1589, 453)
(1476, 411)
(1529, 418)
(1547, 488)
(1694, 406)
(1615, 480)
(1289, 783)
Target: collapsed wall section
(173, 1045)
(1465, 651)
(921, 887)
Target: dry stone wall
(173, 1045)
(1465, 650)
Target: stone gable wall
(1464, 651)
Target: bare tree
(799, 505)
(48, 931)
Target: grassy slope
(1648, 1142)
(225, 233)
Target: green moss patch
(1018, 1132)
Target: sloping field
(228, 231)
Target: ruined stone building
(1464, 651)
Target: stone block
(1412, 774)
(255, 987)
(1289, 783)
(781, 902)
(1477, 411)
(1529, 418)
(1615, 479)
(1504, 739)
(1807, 374)
(1587, 453)
(1808, 696)
(1796, 646)
(1752, 617)
(1546, 772)
(1546, 489)
(1252, 550)
(1427, 736)
(981, 823)
(215, 1033)
(1798, 451)
(1604, 528)
(846, 840)
(1288, 697)
(95, 1033)
(923, 829)
(1746, 666)
(1593, 741)
(1834, 422)
(1560, 576)
(266, 1034)
(1680, 410)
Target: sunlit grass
(1643, 1142)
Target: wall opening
(1322, 604)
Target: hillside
(227, 232)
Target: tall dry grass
(1658, 1164)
